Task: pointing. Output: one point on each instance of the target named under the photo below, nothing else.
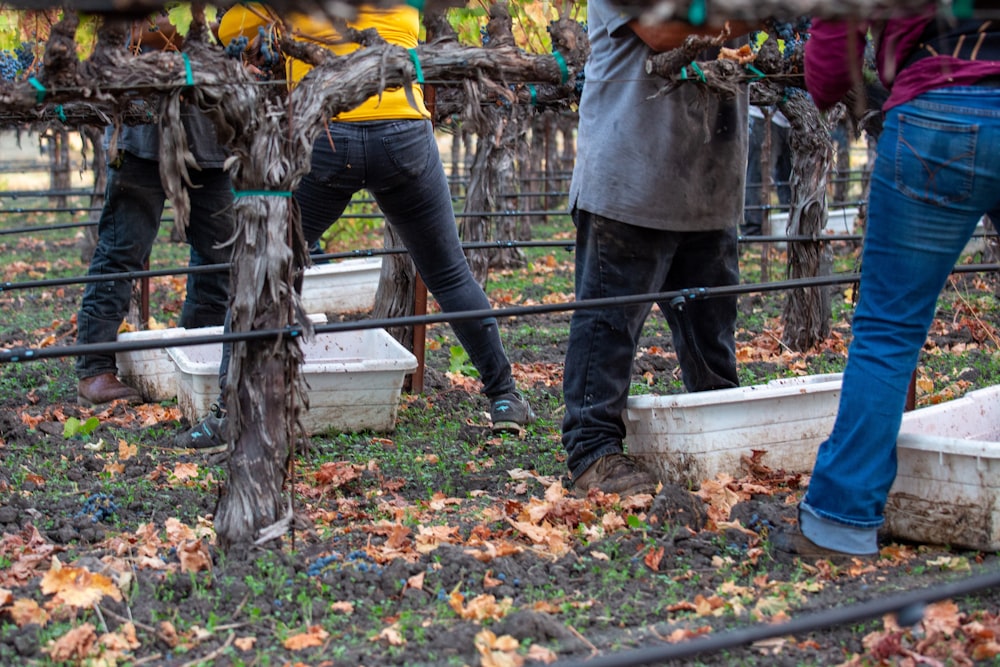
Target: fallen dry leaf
(25, 611)
(245, 643)
(184, 472)
(314, 636)
(194, 556)
(74, 646)
(77, 587)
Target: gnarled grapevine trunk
(807, 311)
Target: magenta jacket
(835, 52)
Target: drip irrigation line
(676, 299)
(908, 605)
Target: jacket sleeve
(833, 60)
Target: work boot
(511, 413)
(791, 543)
(99, 390)
(615, 473)
(207, 436)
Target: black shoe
(511, 413)
(207, 436)
(615, 473)
(792, 543)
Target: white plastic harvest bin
(689, 438)
(947, 488)
(152, 371)
(354, 377)
(341, 287)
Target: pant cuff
(837, 536)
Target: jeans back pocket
(935, 161)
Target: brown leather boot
(101, 389)
(791, 543)
(615, 473)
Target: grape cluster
(237, 45)
(26, 56)
(793, 33)
(9, 66)
(17, 64)
(268, 53)
(484, 35)
(357, 559)
(98, 507)
(317, 566)
(759, 524)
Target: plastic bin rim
(725, 396)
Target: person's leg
(209, 232)
(935, 174)
(753, 216)
(209, 435)
(613, 259)
(704, 328)
(125, 234)
(782, 161)
(407, 179)
(336, 173)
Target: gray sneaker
(511, 413)
(207, 436)
(615, 473)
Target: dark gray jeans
(616, 259)
(125, 235)
(397, 161)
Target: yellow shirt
(398, 25)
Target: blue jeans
(936, 173)
(617, 259)
(126, 231)
(397, 161)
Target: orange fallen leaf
(390, 635)
(337, 473)
(194, 556)
(183, 472)
(113, 469)
(126, 451)
(74, 646)
(25, 611)
(315, 636)
(77, 587)
(37, 480)
(653, 558)
(245, 643)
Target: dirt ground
(481, 560)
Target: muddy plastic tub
(947, 488)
